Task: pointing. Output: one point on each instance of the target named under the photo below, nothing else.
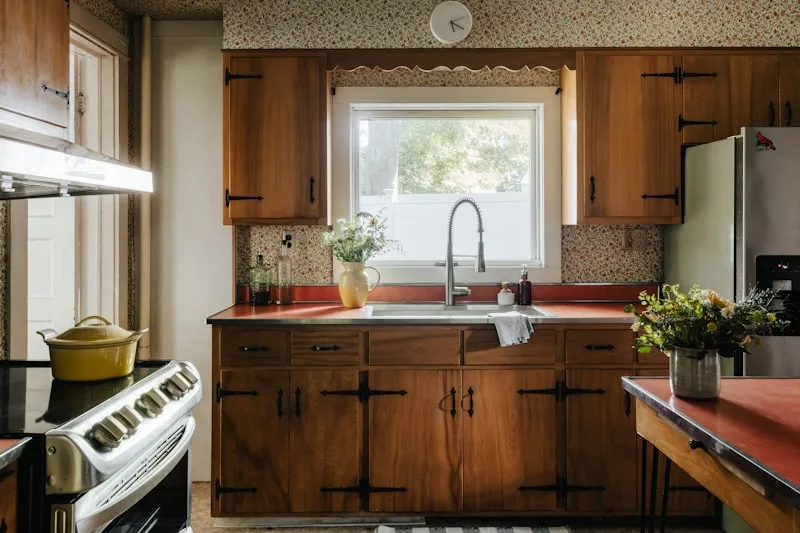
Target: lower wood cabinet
(415, 440)
(291, 442)
(8, 499)
(601, 443)
(510, 440)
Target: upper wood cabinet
(790, 90)
(274, 138)
(628, 143)
(723, 92)
(34, 64)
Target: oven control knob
(109, 432)
(152, 403)
(176, 386)
(129, 418)
(190, 376)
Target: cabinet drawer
(655, 357)
(254, 347)
(326, 347)
(421, 346)
(8, 498)
(482, 347)
(593, 346)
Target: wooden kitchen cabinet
(325, 437)
(415, 440)
(253, 474)
(510, 454)
(274, 138)
(628, 141)
(790, 90)
(729, 92)
(34, 53)
(8, 499)
(601, 443)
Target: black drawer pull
(788, 114)
(280, 403)
(593, 347)
(329, 348)
(297, 402)
(591, 189)
(453, 400)
(471, 410)
(253, 348)
(311, 198)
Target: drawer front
(482, 347)
(597, 346)
(8, 498)
(326, 347)
(420, 346)
(254, 347)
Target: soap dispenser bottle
(524, 288)
(505, 296)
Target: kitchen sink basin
(444, 311)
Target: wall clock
(451, 22)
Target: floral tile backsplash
(312, 261)
(459, 77)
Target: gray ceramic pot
(694, 374)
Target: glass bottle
(284, 288)
(260, 281)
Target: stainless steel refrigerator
(741, 201)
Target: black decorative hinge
(538, 488)
(363, 392)
(64, 95)
(219, 489)
(363, 489)
(221, 393)
(565, 391)
(553, 392)
(229, 76)
(682, 122)
(231, 198)
(561, 487)
(674, 196)
(566, 487)
(678, 75)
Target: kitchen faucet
(451, 291)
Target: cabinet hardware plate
(221, 393)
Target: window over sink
(411, 153)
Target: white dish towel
(512, 327)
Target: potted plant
(695, 329)
(358, 240)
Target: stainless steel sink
(445, 311)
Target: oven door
(151, 495)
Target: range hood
(38, 166)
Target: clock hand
(453, 26)
(452, 23)
(459, 18)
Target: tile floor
(203, 523)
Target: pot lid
(94, 329)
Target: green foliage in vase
(702, 319)
(360, 238)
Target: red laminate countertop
(755, 420)
(10, 449)
(331, 313)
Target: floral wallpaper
(460, 77)
(512, 23)
(106, 11)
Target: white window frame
(351, 103)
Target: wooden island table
(744, 447)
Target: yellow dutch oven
(94, 350)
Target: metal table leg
(665, 492)
(643, 488)
(653, 491)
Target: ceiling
(173, 9)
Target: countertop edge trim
(13, 453)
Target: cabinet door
(509, 440)
(790, 90)
(8, 501)
(274, 139)
(631, 144)
(415, 440)
(34, 51)
(732, 90)
(601, 443)
(325, 441)
(254, 442)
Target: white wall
(192, 263)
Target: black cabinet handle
(311, 198)
(771, 114)
(330, 348)
(453, 400)
(471, 410)
(280, 403)
(297, 402)
(593, 347)
(231, 198)
(591, 189)
(253, 348)
(788, 113)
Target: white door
(51, 269)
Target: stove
(109, 456)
